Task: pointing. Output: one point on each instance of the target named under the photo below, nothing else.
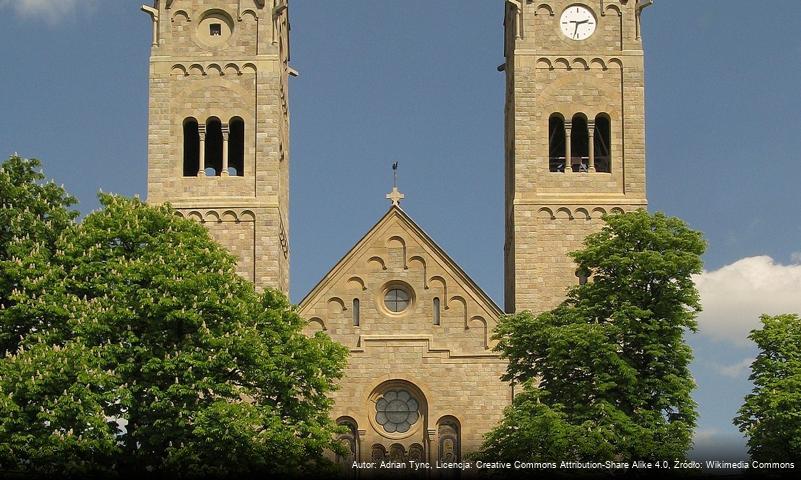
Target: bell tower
(218, 130)
(575, 136)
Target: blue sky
(416, 82)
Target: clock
(578, 23)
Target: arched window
(449, 439)
(436, 311)
(397, 453)
(236, 147)
(191, 148)
(378, 453)
(580, 144)
(603, 143)
(583, 276)
(214, 147)
(556, 143)
(351, 441)
(356, 312)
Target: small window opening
(214, 147)
(191, 148)
(583, 276)
(397, 300)
(215, 29)
(436, 312)
(356, 312)
(236, 147)
(580, 145)
(603, 144)
(556, 143)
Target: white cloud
(795, 258)
(51, 11)
(735, 296)
(705, 436)
(740, 369)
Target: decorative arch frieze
(336, 305)
(357, 283)
(546, 213)
(581, 213)
(460, 299)
(217, 216)
(562, 63)
(564, 213)
(436, 279)
(580, 63)
(317, 324)
(179, 70)
(249, 14)
(213, 69)
(400, 243)
(577, 63)
(598, 63)
(180, 16)
(544, 9)
(576, 213)
(612, 8)
(420, 260)
(378, 261)
(544, 62)
(205, 69)
(481, 323)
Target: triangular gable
(341, 269)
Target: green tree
(606, 374)
(148, 322)
(33, 215)
(771, 414)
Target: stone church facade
(422, 382)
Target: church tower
(575, 136)
(218, 132)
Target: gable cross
(395, 196)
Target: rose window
(397, 411)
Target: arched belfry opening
(603, 143)
(236, 147)
(556, 143)
(214, 147)
(580, 144)
(191, 164)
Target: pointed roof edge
(395, 209)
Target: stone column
(568, 147)
(201, 130)
(433, 445)
(591, 129)
(360, 454)
(226, 133)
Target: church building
(423, 382)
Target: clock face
(578, 23)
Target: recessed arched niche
(215, 28)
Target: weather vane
(395, 196)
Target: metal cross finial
(395, 196)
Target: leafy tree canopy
(771, 414)
(33, 215)
(146, 351)
(606, 374)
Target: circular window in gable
(397, 299)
